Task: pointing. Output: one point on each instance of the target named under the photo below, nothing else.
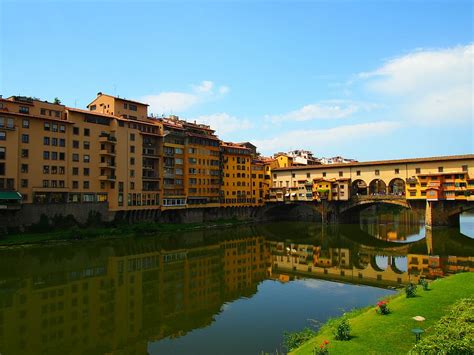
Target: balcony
(109, 165)
(107, 152)
(107, 178)
(150, 176)
(107, 138)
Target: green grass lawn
(391, 334)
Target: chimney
(99, 93)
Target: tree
(57, 101)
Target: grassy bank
(112, 231)
(373, 333)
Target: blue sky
(363, 79)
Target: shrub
(382, 308)
(453, 334)
(323, 348)
(343, 331)
(293, 340)
(410, 290)
(424, 284)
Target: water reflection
(117, 296)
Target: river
(230, 291)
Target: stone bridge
(437, 213)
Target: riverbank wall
(33, 217)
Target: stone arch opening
(396, 187)
(359, 187)
(377, 187)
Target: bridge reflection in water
(116, 296)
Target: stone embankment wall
(56, 215)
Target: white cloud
(170, 102)
(320, 139)
(333, 109)
(428, 85)
(224, 123)
(205, 87)
(176, 102)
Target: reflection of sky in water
(400, 262)
(256, 324)
(467, 224)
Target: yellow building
(236, 189)
(202, 166)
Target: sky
(366, 80)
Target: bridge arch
(377, 187)
(396, 187)
(359, 187)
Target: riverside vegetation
(447, 306)
(67, 228)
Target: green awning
(10, 195)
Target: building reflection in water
(116, 296)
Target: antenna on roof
(115, 90)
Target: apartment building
(236, 187)
(115, 153)
(202, 156)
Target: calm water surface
(233, 291)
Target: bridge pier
(440, 214)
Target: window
(2, 153)
(324, 174)
(132, 149)
(132, 136)
(75, 131)
(418, 171)
(125, 105)
(75, 157)
(86, 144)
(464, 168)
(45, 140)
(87, 158)
(24, 182)
(132, 185)
(292, 175)
(62, 142)
(54, 127)
(87, 132)
(3, 136)
(132, 173)
(24, 109)
(54, 142)
(132, 107)
(397, 171)
(24, 167)
(85, 185)
(132, 161)
(62, 156)
(358, 173)
(26, 123)
(25, 138)
(86, 171)
(62, 170)
(62, 128)
(46, 155)
(75, 171)
(341, 173)
(54, 155)
(75, 184)
(440, 169)
(45, 183)
(75, 144)
(24, 153)
(377, 172)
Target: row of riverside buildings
(115, 152)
